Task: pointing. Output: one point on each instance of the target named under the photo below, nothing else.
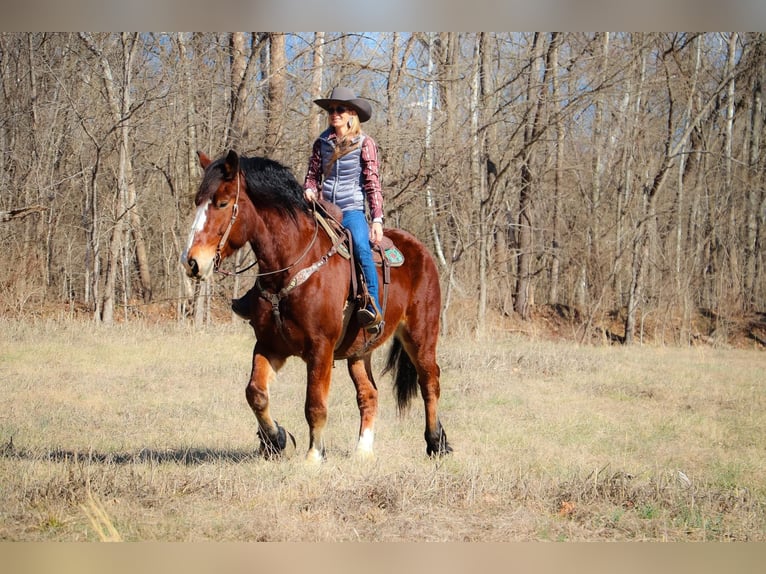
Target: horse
(302, 307)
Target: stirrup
(375, 328)
(368, 318)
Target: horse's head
(214, 235)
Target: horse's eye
(223, 203)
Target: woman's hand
(310, 195)
(376, 232)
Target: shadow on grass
(187, 456)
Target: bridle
(225, 237)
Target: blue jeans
(356, 223)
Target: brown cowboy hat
(347, 96)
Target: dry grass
(142, 433)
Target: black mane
(271, 183)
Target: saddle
(386, 251)
(385, 255)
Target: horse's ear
(204, 161)
(231, 165)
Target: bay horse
(302, 307)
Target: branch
(19, 213)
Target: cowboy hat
(347, 96)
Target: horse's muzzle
(197, 265)
(192, 268)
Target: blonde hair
(348, 142)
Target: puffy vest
(342, 185)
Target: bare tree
(673, 143)
(523, 297)
(119, 102)
(555, 268)
(277, 91)
(756, 192)
(317, 68)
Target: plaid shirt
(370, 173)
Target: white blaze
(199, 224)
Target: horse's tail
(405, 374)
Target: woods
(619, 176)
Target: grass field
(142, 432)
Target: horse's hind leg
(360, 371)
(428, 379)
(421, 351)
(274, 438)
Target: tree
(653, 186)
(120, 105)
(754, 179)
(523, 296)
(277, 91)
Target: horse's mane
(269, 182)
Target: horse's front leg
(319, 375)
(360, 371)
(274, 438)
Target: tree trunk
(315, 113)
(186, 289)
(754, 178)
(275, 102)
(523, 297)
(589, 269)
(447, 79)
(237, 89)
(430, 104)
(477, 176)
(130, 44)
(732, 275)
(553, 295)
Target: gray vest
(342, 184)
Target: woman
(343, 167)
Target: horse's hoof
(276, 447)
(441, 451)
(315, 456)
(438, 446)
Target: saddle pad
(394, 257)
